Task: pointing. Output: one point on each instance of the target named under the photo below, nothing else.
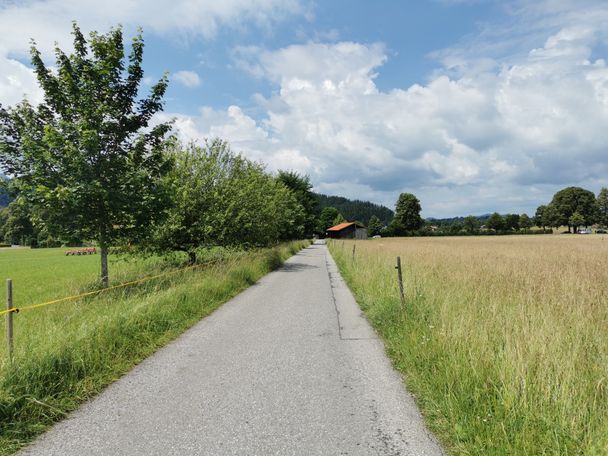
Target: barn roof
(344, 225)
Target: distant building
(347, 230)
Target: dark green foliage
(602, 206)
(471, 224)
(525, 223)
(539, 216)
(407, 215)
(326, 219)
(16, 226)
(374, 226)
(571, 200)
(511, 222)
(551, 216)
(86, 159)
(5, 198)
(302, 190)
(339, 219)
(356, 209)
(495, 222)
(223, 199)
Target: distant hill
(356, 209)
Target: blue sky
(474, 106)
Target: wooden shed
(347, 230)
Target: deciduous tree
(407, 214)
(524, 222)
(496, 222)
(87, 158)
(602, 206)
(374, 226)
(570, 200)
(471, 224)
(302, 189)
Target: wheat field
(503, 340)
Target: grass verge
(68, 353)
(503, 340)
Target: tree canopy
(407, 214)
(222, 199)
(302, 189)
(571, 200)
(602, 206)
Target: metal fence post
(400, 279)
(9, 317)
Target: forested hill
(356, 209)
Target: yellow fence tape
(101, 290)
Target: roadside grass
(67, 353)
(503, 341)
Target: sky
(474, 106)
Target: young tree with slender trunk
(87, 159)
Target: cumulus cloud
(49, 22)
(503, 137)
(187, 78)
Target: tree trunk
(103, 250)
(192, 257)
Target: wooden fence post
(400, 279)
(9, 317)
(354, 247)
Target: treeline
(572, 207)
(361, 211)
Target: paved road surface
(289, 367)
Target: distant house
(347, 230)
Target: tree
(496, 222)
(552, 217)
(407, 214)
(511, 222)
(471, 224)
(539, 218)
(575, 199)
(87, 159)
(339, 219)
(302, 189)
(374, 226)
(524, 222)
(326, 219)
(602, 206)
(223, 199)
(17, 227)
(576, 220)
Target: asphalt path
(288, 367)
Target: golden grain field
(504, 340)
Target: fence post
(400, 279)
(354, 247)
(9, 317)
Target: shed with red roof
(347, 230)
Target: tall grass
(504, 341)
(67, 353)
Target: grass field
(503, 341)
(66, 353)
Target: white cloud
(187, 78)
(49, 22)
(503, 137)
